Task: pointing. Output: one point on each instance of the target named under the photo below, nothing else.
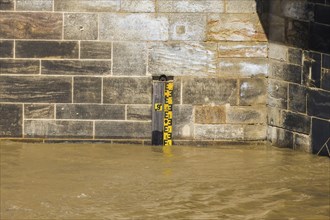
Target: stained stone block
(78, 26)
(6, 49)
(11, 120)
(246, 114)
(245, 67)
(241, 6)
(7, 4)
(318, 104)
(297, 98)
(210, 114)
(87, 90)
(325, 84)
(242, 49)
(127, 90)
(253, 91)
(138, 5)
(278, 52)
(47, 49)
(129, 59)
(177, 90)
(96, 112)
(296, 122)
(44, 111)
(255, 132)
(75, 67)
(19, 66)
(122, 129)
(87, 5)
(277, 94)
(286, 72)
(34, 5)
(178, 59)
(218, 132)
(204, 91)
(235, 27)
(23, 25)
(274, 116)
(295, 56)
(299, 10)
(183, 121)
(190, 6)
(139, 112)
(95, 50)
(302, 142)
(134, 27)
(35, 89)
(187, 27)
(280, 137)
(58, 129)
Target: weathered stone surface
(87, 90)
(46, 49)
(183, 121)
(241, 6)
(277, 94)
(302, 142)
(75, 67)
(24, 25)
(177, 90)
(177, 59)
(246, 67)
(210, 114)
(126, 90)
(11, 120)
(325, 83)
(286, 72)
(278, 52)
(318, 104)
(297, 98)
(122, 129)
(296, 122)
(274, 117)
(139, 112)
(34, 5)
(295, 56)
(253, 91)
(79, 26)
(188, 27)
(216, 132)
(298, 10)
(280, 137)
(190, 6)
(124, 27)
(6, 49)
(235, 27)
(85, 111)
(95, 50)
(19, 66)
(203, 91)
(87, 5)
(255, 132)
(129, 59)
(242, 49)
(138, 5)
(35, 89)
(7, 4)
(44, 111)
(246, 114)
(58, 129)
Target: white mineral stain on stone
(253, 68)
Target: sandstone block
(245, 67)
(277, 94)
(219, 132)
(34, 5)
(242, 49)
(318, 104)
(255, 132)
(296, 122)
(138, 5)
(297, 98)
(139, 112)
(210, 114)
(7, 4)
(280, 137)
(253, 91)
(278, 52)
(302, 142)
(274, 117)
(241, 6)
(19, 66)
(79, 26)
(44, 111)
(246, 114)
(87, 90)
(95, 50)
(190, 6)
(11, 120)
(6, 49)
(183, 121)
(87, 5)
(286, 72)
(295, 56)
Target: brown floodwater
(101, 181)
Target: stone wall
(299, 73)
(83, 69)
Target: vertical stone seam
(72, 89)
(111, 58)
(23, 118)
(79, 45)
(63, 25)
(14, 49)
(55, 111)
(14, 5)
(53, 6)
(40, 67)
(181, 92)
(93, 130)
(238, 100)
(125, 112)
(102, 90)
(147, 59)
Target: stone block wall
(74, 69)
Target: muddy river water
(100, 181)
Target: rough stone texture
(251, 114)
(125, 90)
(95, 50)
(274, 117)
(302, 143)
(19, 66)
(203, 91)
(241, 6)
(210, 114)
(278, 52)
(11, 120)
(235, 27)
(216, 132)
(255, 132)
(242, 49)
(325, 84)
(318, 104)
(280, 137)
(58, 129)
(296, 122)
(44, 111)
(6, 49)
(138, 5)
(30, 25)
(297, 98)
(177, 59)
(295, 56)
(122, 129)
(87, 5)
(47, 49)
(183, 125)
(78, 26)
(123, 27)
(129, 59)
(177, 90)
(87, 90)
(34, 5)
(7, 4)
(84, 111)
(190, 6)
(277, 94)
(286, 72)
(35, 89)
(76, 67)
(139, 112)
(253, 91)
(242, 67)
